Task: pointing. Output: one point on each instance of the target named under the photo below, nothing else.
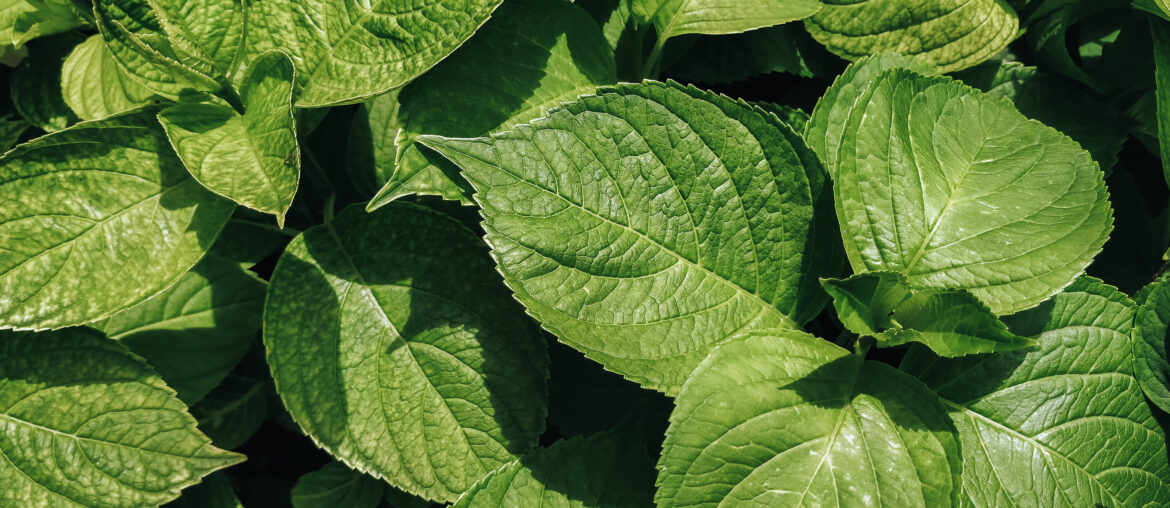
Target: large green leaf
(24, 20)
(1150, 333)
(677, 17)
(552, 52)
(1063, 425)
(252, 159)
(95, 87)
(957, 190)
(335, 485)
(86, 423)
(648, 223)
(102, 216)
(196, 331)
(395, 346)
(948, 34)
(782, 418)
(604, 470)
(1161, 35)
(347, 51)
(36, 83)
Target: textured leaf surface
(677, 17)
(196, 331)
(1063, 425)
(86, 423)
(1150, 333)
(252, 159)
(335, 485)
(394, 345)
(346, 51)
(24, 20)
(95, 87)
(948, 34)
(646, 224)
(36, 83)
(958, 190)
(782, 418)
(89, 204)
(552, 52)
(607, 469)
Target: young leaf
(958, 190)
(252, 159)
(947, 34)
(611, 468)
(104, 216)
(87, 423)
(782, 418)
(1161, 35)
(95, 87)
(1063, 424)
(677, 17)
(36, 83)
(394, 345)
(650, 222)
(866, 301)
(335, 485)
(347, 51)
(554, 53)
(1150, 333)
(196, 331)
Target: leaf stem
(861, 347)
(650, 69)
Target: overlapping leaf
(648, 223)
(84, 208)
(95, 87)
(36, 83)
(395, 346)
(335, 485)
(1150, 333)
(677, 17)
(1161, 36)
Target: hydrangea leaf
(645, 224)
(606, 469)
(196, 331)
(35, 85)
(371, 147)
(1150, 333)
(252, 159)
(950, 35)
(999, 205)
(782, 418)
(47, 17)
(11, 128)
(555, 53)
(336, 485)
(677, 17)
(95, 87)
(1063, 424)
(130, 443)
(233, 412)
(734, 58)
(94, 201)
(215, 492)
(395, 346)
(347, 51)
(1161, 35)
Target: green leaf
(1002, 206)
(607, 469)
(196, 331)
(347, 51)
(11, 128)
(1150, 333)
(394, 345)
(233, 412)
(371, 146)
(795, 118)
(48, 17)
(214, 492)
(677, 17)
(252, 159)
(865, 302)
(947, 34)
(1064, 424)
(247, 241)
(95, 87)
(1161, 35)
(107, 217)
(554, 53)
(87, 423)
(336, 485)
(36, 83)
(782, 418)
(648, 223)
(733, 58)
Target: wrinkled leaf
(95, 87)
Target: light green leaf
(999, 205)
(395, 346)
(603, 470)
(214, 492)
(648, 223)
(335, 485)
(86, 423)
(102, 216)
(677, 17)
(252, 159)
(947, 34)
(233, 412)
(782, 418)
(196, 331)
(1150, 333)
(1161, 35)
(554, 53)
(36, 83)
(95, 87)
(347, 51)
(48, 17)
(1065, 424)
